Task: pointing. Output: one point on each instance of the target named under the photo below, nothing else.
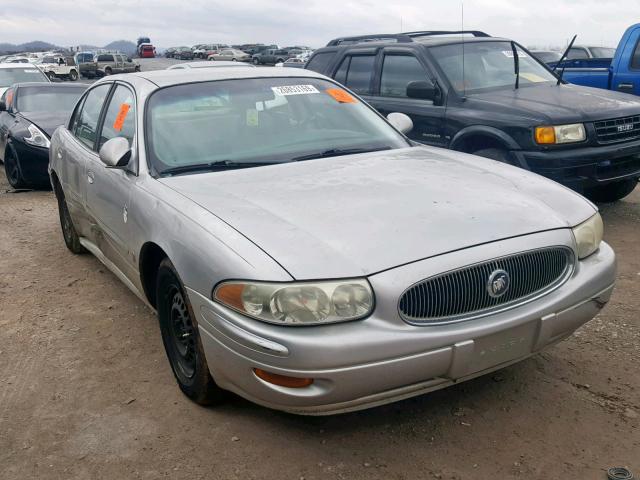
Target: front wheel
(107, 71)
(611, 192)
(51, 75)
(181, 338)
(12, 170)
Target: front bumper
(585, 167)
(382, 359)
(34, 163)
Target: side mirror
(401, 121)
(3, 106)
(422, 89)
(115, 152)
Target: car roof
(216, 64)
(17, 65)
(51, 85)
(165, 78)
(429, 41)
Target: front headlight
(561, 134)
(298, 303)
(588, 236)
(37, 138)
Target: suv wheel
(73, 75)
(497, 154)
(256, 61)
(611, 192)
(181, 338)
(107, 71)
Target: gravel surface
(86, 390)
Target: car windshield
(48, 98)
(260, 121)
(603, 52)
(487, 66)
(9, 76)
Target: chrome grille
(463, 293)
(618, 129)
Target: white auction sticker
(295, 90)
(509, 53)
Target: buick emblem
(498, 283)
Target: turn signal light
(283, 380)
(545, 135)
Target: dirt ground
(86, 391)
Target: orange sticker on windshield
(340, 95)
(122, 116)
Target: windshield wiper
(562, 58)
(208, 167)
(516, 63)
(336, 152)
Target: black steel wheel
(181, 338)
(12, 170)
(71, 238)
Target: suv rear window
(320, 62)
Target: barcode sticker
(295, 90)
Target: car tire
(51, 75)
(73, 75)
(107, 71)
(280, 60)
(497, 154)
(611, 192)
(69, 233)
(256, 61)
(181, 339)
(234, 59)
(12, 170)
(137, 69)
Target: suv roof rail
(429, 33)
(398, 37)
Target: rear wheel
(256, 61)
(107, 71)
(71, 238)
(611, 192)
(51, 75)
(73, 75)
(12, 169)
(181, 338)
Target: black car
(183, 53)
(29, 114)
(489, 96)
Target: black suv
(489, 96)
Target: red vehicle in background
(146, 50)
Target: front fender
(483, 130)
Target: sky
(540, 23)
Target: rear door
(625, 72)
(109, 189)
(356, 70)
(398, 68)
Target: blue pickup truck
(620, 73)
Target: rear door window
(398, 71)
(359, 73)
(85, 124)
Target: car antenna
(464, 83)
(562, 58)
(516, 63)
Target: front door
(398, 69)
(109, 189)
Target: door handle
(90, 177)
(625, 86)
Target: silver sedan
(301, 252)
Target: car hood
(560, 104)
(357, 215)
(46, 121)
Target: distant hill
(38, 46)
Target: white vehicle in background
(59, 66)
(16, 59)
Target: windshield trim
(146, 124)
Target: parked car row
(258, 54)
